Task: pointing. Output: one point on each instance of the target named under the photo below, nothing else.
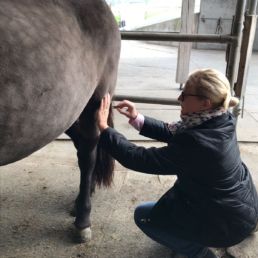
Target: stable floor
(37, 194)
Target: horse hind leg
(96, 166)
(84, 134)
(104, 163)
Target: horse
(58, 58)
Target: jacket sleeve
(155, 129)
(163, 161)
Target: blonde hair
(214, 85)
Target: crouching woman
(213, 202)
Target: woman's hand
(127, 108)
(103, 112)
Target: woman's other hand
(127, 108)
(103, 112)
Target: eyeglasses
(183, 95)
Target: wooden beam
(184, 49)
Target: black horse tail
(105, 164)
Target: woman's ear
(206, 104)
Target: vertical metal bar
(252, 7)
(245, 55)
(232, 67)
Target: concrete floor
(37, 192)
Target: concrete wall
(169, 26)
(206, 22)
(210, 13)
(166, 26)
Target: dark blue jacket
(214, 201)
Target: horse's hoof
(83, 235)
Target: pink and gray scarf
(194, 119)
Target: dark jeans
(165, 236)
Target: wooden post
(184, 49)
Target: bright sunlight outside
(134, 14)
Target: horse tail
(105, 164)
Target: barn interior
(37, 192)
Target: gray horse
(58, 58)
